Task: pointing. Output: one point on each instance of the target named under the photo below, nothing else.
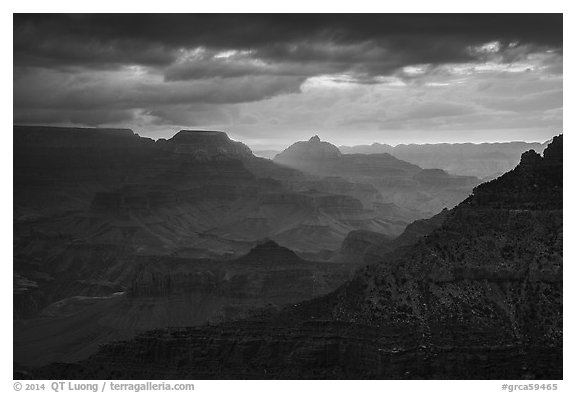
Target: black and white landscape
(304, 196)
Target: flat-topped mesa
(200, 137)
(207, 144)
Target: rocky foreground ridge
(480, 297)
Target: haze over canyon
(116, 234)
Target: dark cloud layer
(199, 69)
(108, 40)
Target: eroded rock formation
(479, 297)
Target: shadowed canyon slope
(479, 297)
(100, 212)
(483, 160)
(197, 194)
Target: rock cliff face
(419, 193)
(479, 297)
(308, 350)
(366, 247)
(535, 184)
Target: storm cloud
(148, 70)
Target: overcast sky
(269, 80)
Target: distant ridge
(46, 136)
(203, 144)
(483, 160)
(425, 192)
(86, 130)
(322, 157)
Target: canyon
(115, 234)
(473, 292)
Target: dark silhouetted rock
(536, 183)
